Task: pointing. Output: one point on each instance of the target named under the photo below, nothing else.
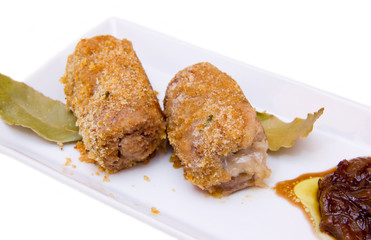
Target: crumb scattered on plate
(60, 145)
(146, 178)
(105, 178)
(68, 162)
(154, 210)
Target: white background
(324, 44)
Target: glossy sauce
(337, 201)
(302, 192)
(285, 189)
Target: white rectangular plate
(185, 212)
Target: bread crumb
(154, 210)
(111, 195)
(97, 173)
(83, 153)
(105, 178)
(92, 174)
(156, 92)
(176, 161)
(73, 165)
(68, 162)
(173, 189)
(133, 186)
(60, 145)
(146, 178)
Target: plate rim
(110, 201)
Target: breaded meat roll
(120, 119)
(214, 131)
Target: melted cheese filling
(250, 160)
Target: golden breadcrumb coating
(117, 111)
(212, 128)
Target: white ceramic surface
(186, 212)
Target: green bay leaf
(24, 106)
(281, 134)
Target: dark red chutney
(345, 200)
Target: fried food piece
(120, 119)
(214, 131)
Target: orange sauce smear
(285, 189)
